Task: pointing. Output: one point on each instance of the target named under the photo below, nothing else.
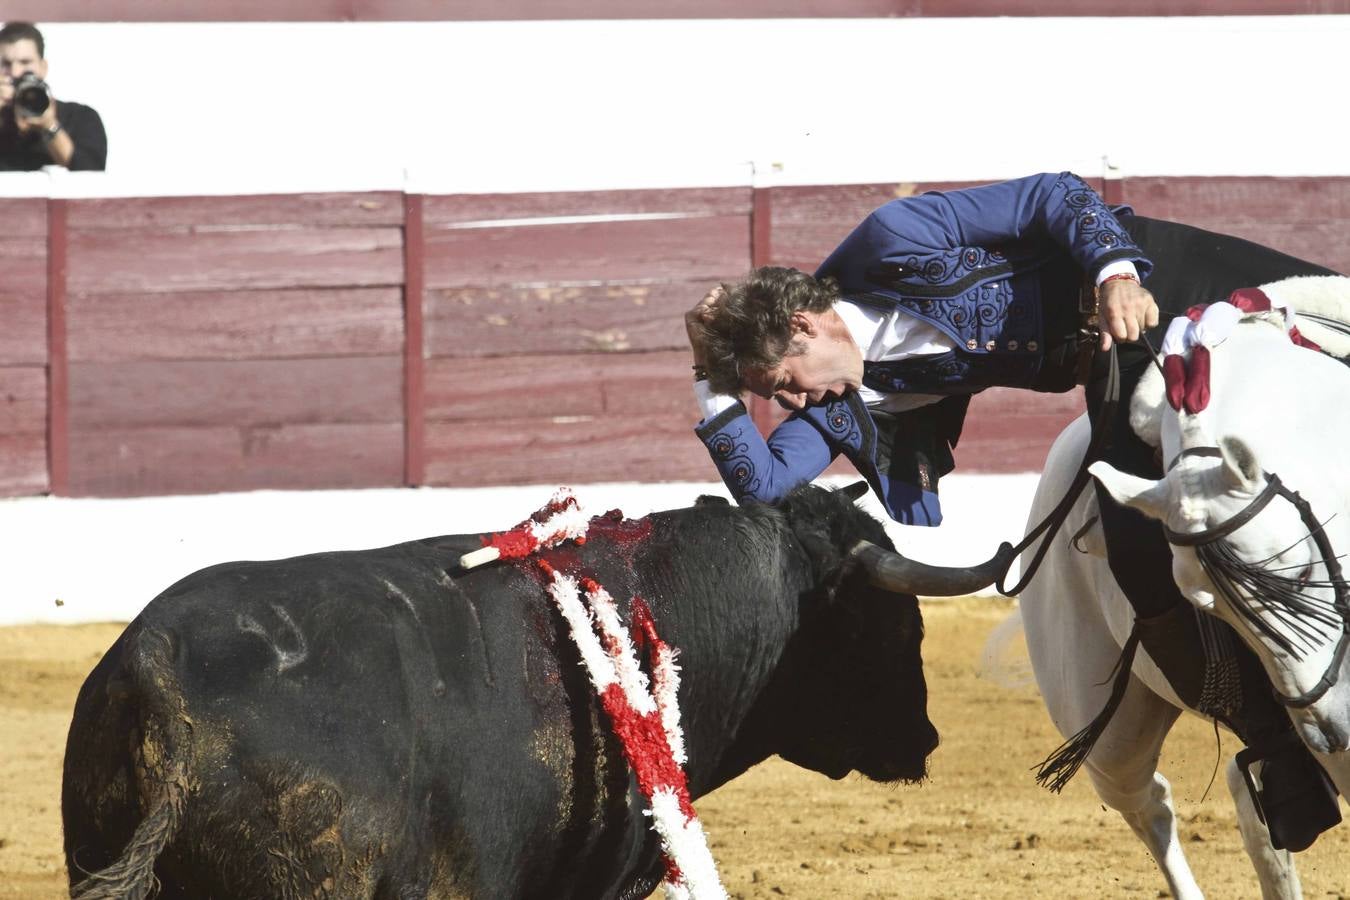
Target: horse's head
(1249, 549)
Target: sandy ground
(979, 828)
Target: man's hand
(42, 123)
(1125, 308)
(696, 318)
(6, 90)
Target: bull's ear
(855, 491)
(1149, 497)
(1240, 468)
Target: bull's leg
(1124, 771)
(1274, 868)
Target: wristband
(1119, 276)
(49, 134)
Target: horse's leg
(1072, 652)
(1123, 767)
(1274, 868)
(1068, 611)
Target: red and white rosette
(560, 520)
(1189, 338)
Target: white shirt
(885, 336)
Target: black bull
(380, 724)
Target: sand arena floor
(978, 828)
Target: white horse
(1276, 409)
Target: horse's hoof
(1298, 799)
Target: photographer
(35, 129)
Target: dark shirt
(27, 152)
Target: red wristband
(1119, 276)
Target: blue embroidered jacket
(997, 269)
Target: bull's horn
(892, 572)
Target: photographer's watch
(49, 134)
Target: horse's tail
(160, 754)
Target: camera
(31, 96)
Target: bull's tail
(132, 877)
(160, 763)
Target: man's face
(15, 60)
(828, 365)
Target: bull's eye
(1306, 575)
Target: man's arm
(85, 126)
(752, 467)
(72, 134)
(758, 469)
(1059, 209)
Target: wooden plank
(23, 464)
(160, 261)
(23, 298)
(205, 214)
(23, 400)
(58, 384)
(664, 249)
(143, 461)
(414, 343)
(1251, 200)
(569, 450)
(24, 217)
(236, 324)
(448, 209)
(567, 319)
(518, 10)
(245, 392)
(561, 385)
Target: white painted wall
(515, 106)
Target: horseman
(932, 298)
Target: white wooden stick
(479, 557)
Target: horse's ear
(1240, 468)
(855, 491)
(1149, 497)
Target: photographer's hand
(60, 146)
(6, 90)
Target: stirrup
(1305, 799)
(1258, 753)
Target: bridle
(1275, 488)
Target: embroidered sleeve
(1061, 208)
(756, 469)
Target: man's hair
(13, 32)
(752, 328)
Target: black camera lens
(31, 97)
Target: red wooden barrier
(23, 347)
(161, 345)
(555, 327)
(228, 343)
(469, 10)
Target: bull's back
(358, 725)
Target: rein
(1050, 525)
(1275, 488)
